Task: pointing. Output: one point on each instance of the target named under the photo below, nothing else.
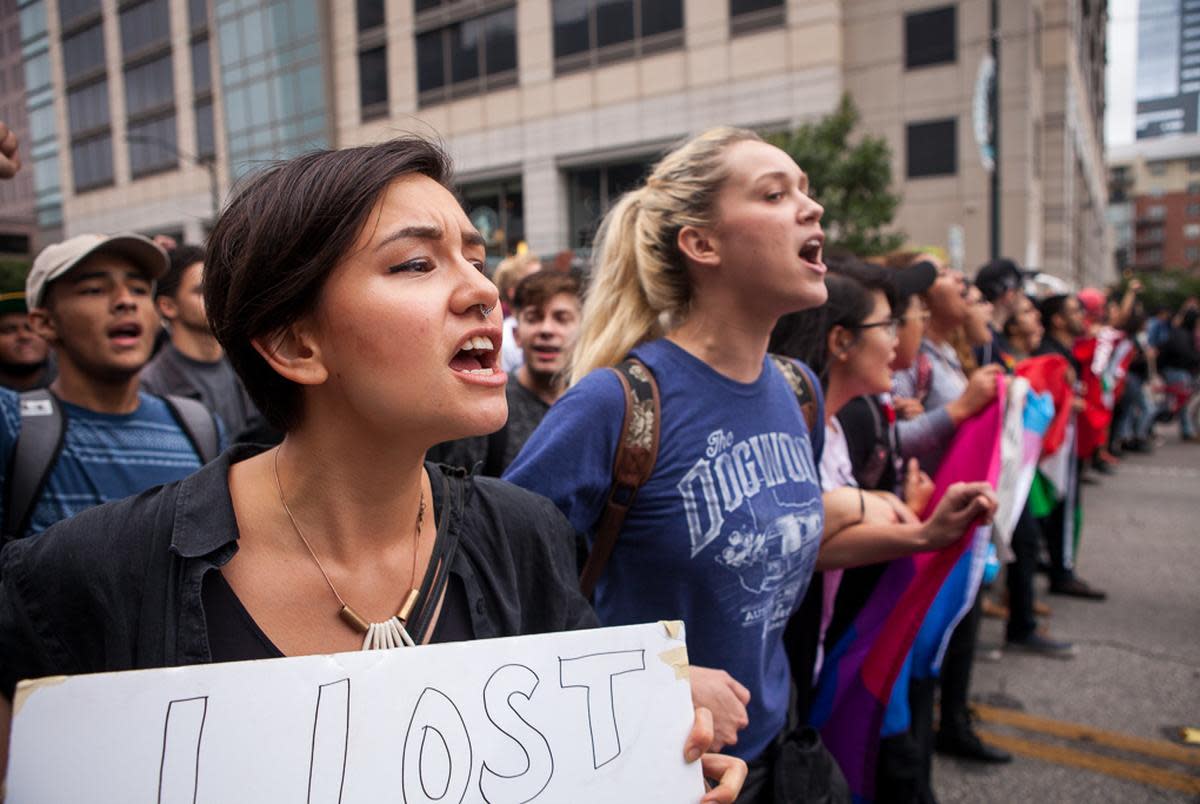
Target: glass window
(92, 163)
(70, 11)
(152, 146)
(201, 69)
(231, 43)
(739, 7)
(41, 123)
(253, 37)
(206, 141)
(258, 102)
(33, 21)
(614, 22)
(570, 27)
(83, 52)
(312, 89)
(372, 80)
(501, 48)
(592, 191)
(425, 5)
(464, 50)
(197, 14)
(932, 148)
(610, 29)
(149, 86)
(235, 110)
(304, 20)
(37, 72)
(661, 17)
(930, 37)
(1193, 166)
(87, 107)
(1157, 168)
(370, 14)
(144, 26)
(45, 175)
(431, 70)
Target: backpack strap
(198, 425)
(637, 452)
(43, 426)
(801, 386)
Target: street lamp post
(209, 163)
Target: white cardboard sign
(584, 716)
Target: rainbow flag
(861, 670)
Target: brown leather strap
(637, 452)
(801, 386)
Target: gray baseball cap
(57, 259)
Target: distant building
(1168, 68)
(553, 108)
(1156, 194)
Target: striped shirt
(104, 456)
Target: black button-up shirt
(118, 587)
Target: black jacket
(118, 586)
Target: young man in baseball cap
(91, 299)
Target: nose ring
(486, 310)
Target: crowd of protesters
(208, 450)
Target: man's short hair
(182, 258)
(542, 286)
(1050, 307)
(997, 278)
(509, 271)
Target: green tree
(12, 273)
(851, 179)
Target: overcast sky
(1121, 72)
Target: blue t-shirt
(724, 535)
(104, 456)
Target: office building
(552, 108)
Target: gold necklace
(390, 633)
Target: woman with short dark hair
(348, 289)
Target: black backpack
(43, 426)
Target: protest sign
(584, 716)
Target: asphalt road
(1098, 728)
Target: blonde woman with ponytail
(692, 271)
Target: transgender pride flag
(860, 671)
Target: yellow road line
(1118, 768)
(1160, 749)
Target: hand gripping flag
(863, 668)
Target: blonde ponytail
(640, 285)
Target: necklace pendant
(351, 618)
(388, 634)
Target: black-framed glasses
(890, 326)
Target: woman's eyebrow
(471, 238)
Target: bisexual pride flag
(860, 671)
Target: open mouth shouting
(810, 253)
(477, 359)
(126, 334)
